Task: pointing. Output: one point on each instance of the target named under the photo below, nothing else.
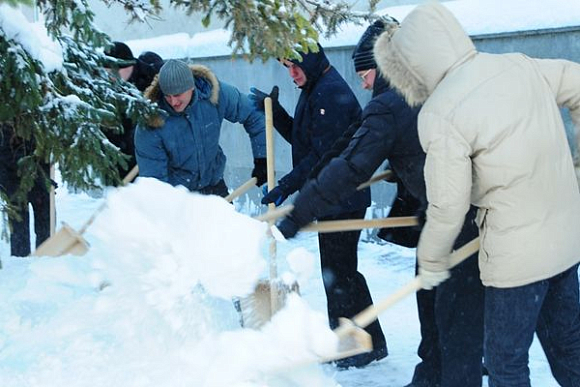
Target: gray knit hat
(175, 77)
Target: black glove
(276, 196)
(257, 97)
(288, 228)
(260, 171)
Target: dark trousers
(346, 289)
(451, 319)
(39, 197)
(551, 309)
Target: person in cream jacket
(494, 137)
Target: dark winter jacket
(388, 131)
(183, 148)
(144, 71)
(325, 109)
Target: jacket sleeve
(564, 79)
(237, 107)
(283, 122)
(448, 183)
(322, 121)
(151, 154)
(368, 148)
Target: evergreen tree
(264, 28)
(66, 112)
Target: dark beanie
(120, 50)
(153, 59)
(363, 53)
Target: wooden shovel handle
(371, 313)
(358, 224)
(241, 189)
(378, 177)
(129, 177)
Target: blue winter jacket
(183, 148)
(326, 108)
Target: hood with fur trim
(416, 56)
(206, 87)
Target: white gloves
(430, 279)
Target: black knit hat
(121, 51)
(363, 53)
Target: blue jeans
(551, 309)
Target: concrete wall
(556, 43)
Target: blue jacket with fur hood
(183, 148)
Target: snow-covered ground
(150, 303)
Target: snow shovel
(241, 189)
(351, 330)
(269, 296)
(69, 241)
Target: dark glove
(288, 228)
(276, 196)
(257, 97)
(260, 171)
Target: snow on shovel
(351, 330)
(69, 241)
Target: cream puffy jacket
(494, 137)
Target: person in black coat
(325, 109)
(140, 72)
(12, 150)
(451, 315)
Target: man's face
(179, 101)
(125, 72)
(368, 78)
(295, 72)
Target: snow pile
(149, 305)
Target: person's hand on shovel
(277, 195)
(260, 171)
(288, 228)
(432, 271)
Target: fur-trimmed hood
(416, 56)
(206, 87)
